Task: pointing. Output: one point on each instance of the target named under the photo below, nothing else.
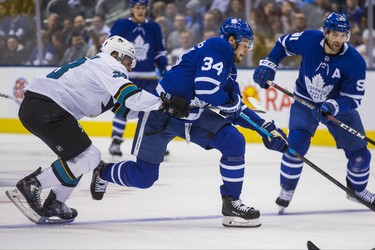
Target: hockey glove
(232, 109)
(329, 107)
(175, 105)
(265, 72)
(279, 140)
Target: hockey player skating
(53, 104)
(204, 76)
(147, 39)
(332, 77)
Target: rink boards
(273, 101)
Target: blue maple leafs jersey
(206, 75)
(148, 43)
(323, 76)
(207, 72)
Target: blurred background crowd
(71, 29)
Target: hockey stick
(8, 97)
(257, 107)
(315, 167)
(311, 246)
(145, 77)
(331, 118)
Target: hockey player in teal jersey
(332, 77)
(51, 109)
(206, 75)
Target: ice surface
(183, 209)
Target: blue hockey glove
(329, 107)
(279, 141)
(232, 109)
(265, 72)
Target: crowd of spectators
(76, 28)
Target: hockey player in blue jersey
(206, 75)
(151, 58)
(331, 77)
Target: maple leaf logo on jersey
(316, 88)
(141, 48)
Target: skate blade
(15, 196)
(281, 210)
(232, 221)
(53, 220)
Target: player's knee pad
(69, 172)
(229, 141)
(359, 161)
(299, 140)
(86, 161)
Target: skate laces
(65, 210)
(286, 194)
(237, 204)
(367, 196)
(60, 209)
(35, 191)
(100, 185)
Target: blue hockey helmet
(337, 22)
(138, 2)
(237, 28)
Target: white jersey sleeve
(89, 87)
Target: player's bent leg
(66, 173)
(140, 174)
(231, 143)
(358, 172)
(291, 167)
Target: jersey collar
(346, 46)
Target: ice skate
(115, 148)
(284, 199)
(29, 189)
(19, 201)
(236, 214)
(98, 186)
(57, 212)
(365, 195)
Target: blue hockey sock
(118, 127)
(139, 174)
(115, 173)
(291, 168)
(358, 169)
(232, 171)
